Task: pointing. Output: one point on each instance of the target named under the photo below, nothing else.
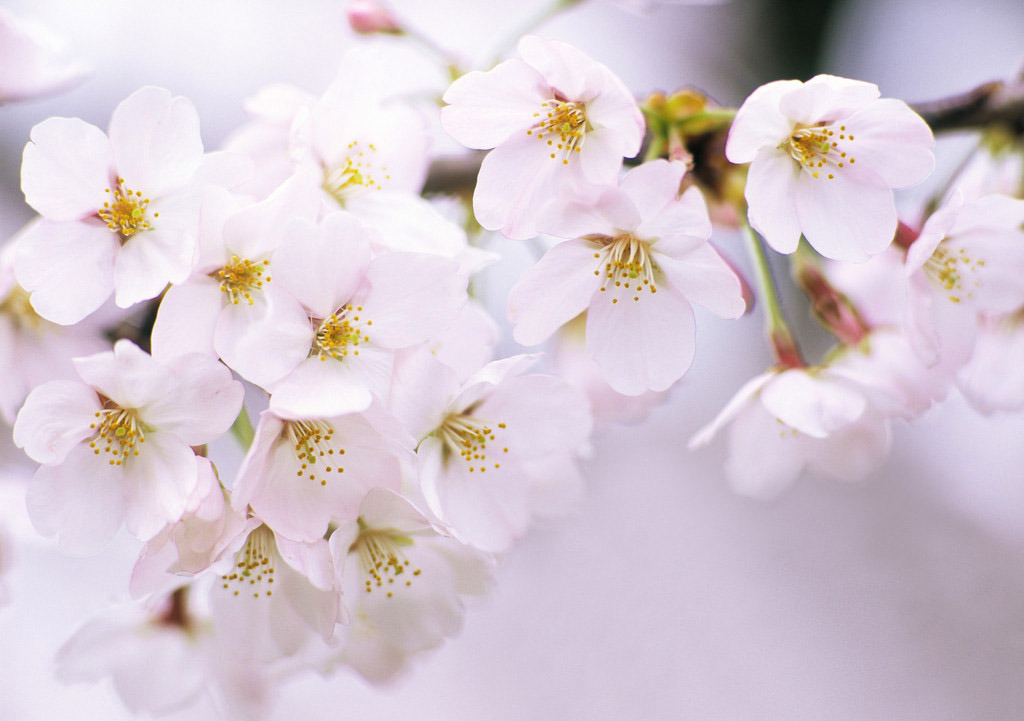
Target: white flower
(555, 119)
(824, 158)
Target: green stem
(787, 353)
(242, 429)
(546, 13)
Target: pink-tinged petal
(654, 187)
(811, 404)
(554, 291)
(127, 375)
(826, 98)
(384, 508)
(593, 211)
(703, 277)
(412, 296)
(421, 389)
(68, 268)
(892, 140)
(310, 559)
(575, 75)
(991, 269)
(852, 453)
(745, 396)
(678, 227)
(223, 168)
(771, 197)
(158, 483)
(148, 262)
(990, 212)
(156, 141)
(258, 230)
(482, 383)
(759, 124)
(486, 108)
(849, 217)
(600, 157)
(934, 232)
(265, 341)
(80, 501)
(941, 331)
(323, 265)
(993, 380)
(186, 319)
(765, 456)
(202, 406)
(516, 180)
(31, 62)
(54, 419)
(66, 168)
(641, 345)
(469, 342)
(614, 109)
(322, 389)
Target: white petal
(54, 419)
(321, 389)
(811, 404)
(892, 140)
(186, 319)
(701, 276)
(204, 403)
(486, 108)
(157, 484)
(826, 98)
(771, 197)
(148, 262)
(67, 166)
(759, 124)
(765, 456)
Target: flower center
(354, 175)
(254, 565)
(469, 437)
(118, 432)
(821, 149)
(627, 266)
(562, 125)
(242, 277)
(381, 558)
(313, 443)
(125, 212)
(17, 307)
(340, 333)
(948, 270)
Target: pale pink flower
(639, 257)
(555, 119)
(120, 212)
(993, 378)
(824, 158)
(403, 579)
(495, 451)
(302, 473)
(31, 63)
(968, 260)
(116, 446)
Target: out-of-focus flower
(30, 61)
(120, 212)
(824, 158)
(116, 446)
(639, 257)
(555, 119)
(369, 17)
(403, 579)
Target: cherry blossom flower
(968, 260)
(360, 311)
(302, 473)
(495, 451)
(824, 158)
(404, 579)
(639, 257)
(555, 119)
(31, 64)
(993, 379)
(120, 212)
(116, 446)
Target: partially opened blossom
(359, 312)
(116, 446)
(783, 422)
(31, 61)
(120, 211)
(824, 157)
(302, 473)
(403, 579)
(967, 261)
(637, 259)
(556, 119)
(495, 451)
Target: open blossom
(116, 446)
(120, 211)
(495, 451)
(403, 579)
(967, 261)
(824, 158)
(31, 64)
(638, 257)
(555, 119)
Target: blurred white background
(665, 596)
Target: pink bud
(368, 17)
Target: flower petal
(66, 168)
(771, 197)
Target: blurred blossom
(31, 63)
